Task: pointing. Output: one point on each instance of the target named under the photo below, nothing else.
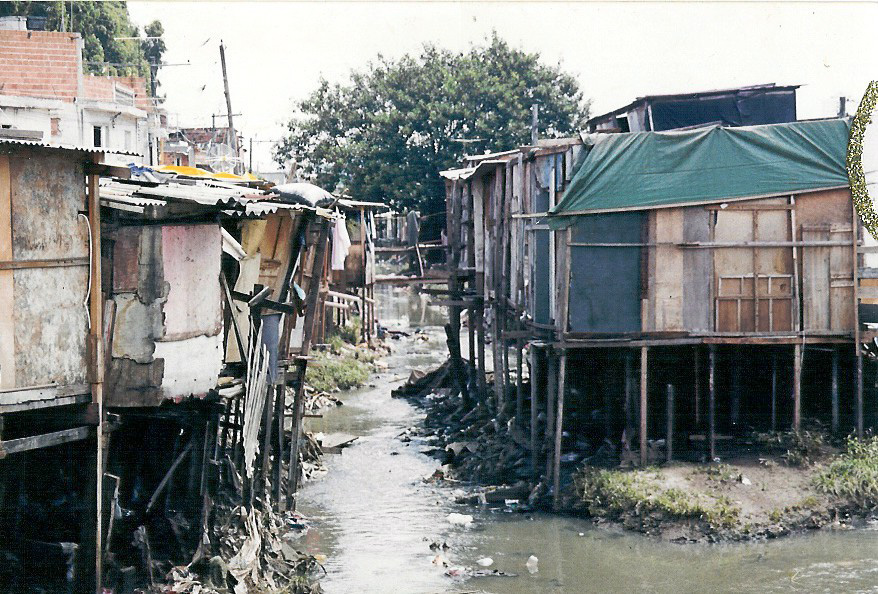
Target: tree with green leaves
(103, 26)
(387, 132)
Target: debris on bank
(771, 485)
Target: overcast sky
(277, 51)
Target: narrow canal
(374, 516)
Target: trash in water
(440, 560)
(460, 519)
(485, 562)
(532, 564)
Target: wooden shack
(675, 290)
(50, 356)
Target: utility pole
(251, 154)
(534, 121)
(228, 100)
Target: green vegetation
(617, 492)
(101, 25)
(328, 372)
(390, 129)
(803, 448)
(853, 474)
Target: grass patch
(329, 371)
(853, 474)
(351, 332)
(616, 493)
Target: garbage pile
(474, 444)
(252, 555)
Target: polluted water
(383, 528)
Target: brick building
(45, 95)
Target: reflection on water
(375, 517)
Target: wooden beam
(644, 385)
(46, 440)
(106, 170)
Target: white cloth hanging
(341, 243)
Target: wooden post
(96, 355)
(311, 306)
(835, 390)
(551, 393)
(535, 375)
(735, 400)
(774, 390)
(364, 318)
(859, 389)
(519, 382)
(669, 424)
(629, 397)
(559, 432)
(858, 348)
(797, 386)
(711, 403)
(644, 384)
(697, 387)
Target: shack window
(98, 137)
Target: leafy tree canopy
(100, 24)
(387, 132)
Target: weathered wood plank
(35, 442)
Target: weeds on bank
(803, 448)
(328, 372)
(617, 492)
(853, 474)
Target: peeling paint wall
(45, 343)
(167, 334)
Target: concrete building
(45, 95)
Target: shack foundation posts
(644, 377)
(551, 392)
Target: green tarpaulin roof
(655, 169)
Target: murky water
(374, 518)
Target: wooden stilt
(859, 390)
(711, 404)
(535, 378)
(551, 392)
(644, 385)
(519, 382)
(607, 393)
(774, 390)
(696, 396)
(835, 423)
(630, 404)
(669, 423)
(797, 386)
(735, 400)
(559, 432)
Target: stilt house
(675, 290)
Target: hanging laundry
(341, 243)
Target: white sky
(276, 51)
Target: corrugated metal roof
(64, 147)
(152, 200)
